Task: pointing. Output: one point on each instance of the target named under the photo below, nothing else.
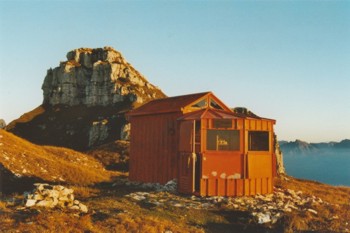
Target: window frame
(259, 148)
(236, 145)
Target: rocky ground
(123, 206)
(90, 197)
(263, 208)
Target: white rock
(70, 196)
(74, 207)
(30, 202)
(263, 218)
(138, 198)
(45, 203)
(38, 197)
(312, 211)
(65, 192)
(83, 208)
(235, 206)
(63, 199)
(178, 205)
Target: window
(215, 105)
(258, 140)
(201, 104)
(222, 140)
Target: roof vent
(241, 110)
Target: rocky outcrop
(51, 196)
(125, 132)
(98, 132)
(85, 101)
(96, 77)
(2, 124)
(279, 158)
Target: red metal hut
(210, 149)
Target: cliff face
(279, 159)
(85, 99)
(96, 77)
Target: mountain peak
(85, 99)
(97, 77)
(88, 56)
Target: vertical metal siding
(235, 187)
(153, 154)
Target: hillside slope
(22, 162)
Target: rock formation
(85, 99)
(96, 77)
(279, 159)
(2, 124)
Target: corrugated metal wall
(153, 154)
(252, 170)
(236, 187)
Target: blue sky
(287, 60)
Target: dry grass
(332, 216)
(333, 194)
(48, 163)
(114, 155)
(84, 191)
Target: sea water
(330, 168)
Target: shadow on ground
(238, 222)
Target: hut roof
(168, 105)
(179, 103)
